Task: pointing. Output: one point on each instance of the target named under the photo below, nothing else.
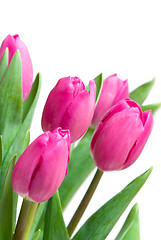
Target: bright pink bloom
(113, 90)
(70, 106)
(120, 137)
(14, 43)
(42, 167)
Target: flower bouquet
(100, 127)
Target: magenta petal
(78, 115)
(113, 90)
(141, 141)
(50, 172)
(116, 138)
(26, 164)
(14, 43)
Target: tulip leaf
(131, 228)
(18, 143)
(154, 107)
(140, 94)
(98, 81)
(99, 225)
(0, 150)
(54, 226)
(11, 92)
(37, 235)
(6, 206)
(3, 64)
(80, 166)
(33, 93)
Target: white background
(85, 38)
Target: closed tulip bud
(70, 106)
(113, 90)
(42, 167)
(121, 135)
(14, 43)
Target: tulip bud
(42, 167)
(70, 106)
(14, 43)
(121, 135)
(113, 90)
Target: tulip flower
(113, 90)
(121, 135)
(14, 43)
(70, 106)
(42, 167)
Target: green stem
(84, 203)
(25, 219)
(30, 219)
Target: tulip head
(42, 167)
(14, 43)
(121, 135)
(70, 106)
(113, 90)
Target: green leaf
(99, 82)
(37, 235)
(54, 226)
(33, 94)
(3, 64)
(80, 166)
(0, 151)
(154, 107)
(131, 228)
(11, 106)
(6, 206)
(18, 143)
(26, 140)
(140, 94)
(99, 225)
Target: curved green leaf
(18, 143)
(3, 64)
(54, 226)
(154, 107)
(140, 94)
(131, 228)
(99, 225)
(6, 206)
(80, 166)
(0, 151)
(11, 92)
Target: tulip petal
(26, 164)
(113, 90)
(117, 136)
(59, 100)
(142, 139)
(78, 115)
(50, 172)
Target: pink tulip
(42, 167)
(113, 90)
(70, 106)
(120, 137)
(14, 43)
